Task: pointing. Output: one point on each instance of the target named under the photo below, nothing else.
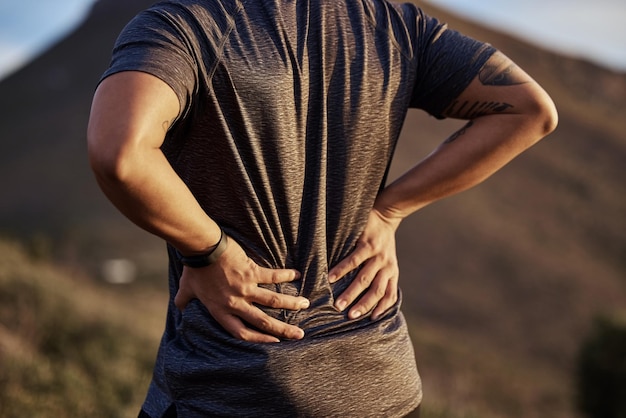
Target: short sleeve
(445, 63)
(155, 42)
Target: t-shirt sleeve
(154, 42)
(445, 62)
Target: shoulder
(405, 22)
(187, 16)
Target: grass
(65, 349)
(68, 349)
(72, 346)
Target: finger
(345, 266)
(389, 300)
(269, 276)
(374, 294)
(361, 282)
(269, 298)
(182, 298)
(235, 327)
(272, 326)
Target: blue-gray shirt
(290, 112)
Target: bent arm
(507, 111)
(130, 116)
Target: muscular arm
(130, 116)
(507, 112)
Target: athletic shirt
(289, 114)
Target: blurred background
(515, 291)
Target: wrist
(207, 258)
(388, 215)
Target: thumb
(182, 298)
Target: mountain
(48, 190)
(500, 283)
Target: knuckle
(379, 292)
(264, 323)
(363, 279)
(353, 262)
(366, 246)
(274, 301)
(344, 267)
(231, 302)
(274, 278)
(278, 277)
(240, 334)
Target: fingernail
(305, 304)
(355, 314)
(341, 305)
(332, 278)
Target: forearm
(467, 158)
(130, 116)
(150, 193)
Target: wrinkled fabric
(290, 113)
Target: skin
(507, 112)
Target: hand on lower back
(376, 283)
(229, 289)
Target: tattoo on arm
(499, 71)
(466, 111)
(459, 133)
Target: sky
(597, 33)
(28, 27)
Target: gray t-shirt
(290, 112)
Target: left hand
(377, 281)
(230, 291)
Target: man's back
(290, 111)
(293, 128)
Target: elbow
(543, 114)
(549, 118)
(536, 118)
(110, 164)
(104, 162)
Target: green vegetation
(64, 355)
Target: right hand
(376, 283)
(229, 288)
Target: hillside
(500, 283)
(68, 356)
